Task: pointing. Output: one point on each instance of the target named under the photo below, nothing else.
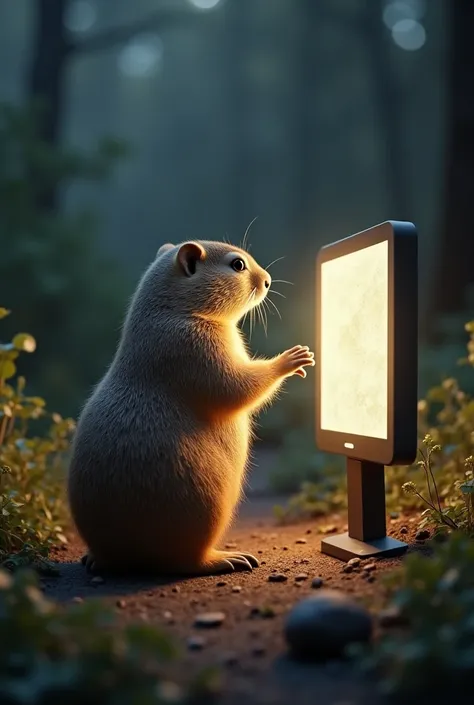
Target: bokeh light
(80, 16)
(409, 35)
(399, 10)
(142, 56)
(204, 4)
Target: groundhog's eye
(238, 264)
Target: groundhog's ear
(188, 255)
(164, 248)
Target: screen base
(344, 547)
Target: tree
(454, 269)
(53, 49)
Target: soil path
(249, 649)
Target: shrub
(50, 654)
(32, 510)
(433, 654)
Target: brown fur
(162, 444)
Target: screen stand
(367, 534)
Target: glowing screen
(354, 343)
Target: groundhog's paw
(230, 562)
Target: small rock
(162, 594)
(194, 601)
(354, 562)
(370, 578)
(328, 529)
(175, 589)
(392, 617)
(285, 548)
(369, 567)
(404, 530)
(196, 643)
(230, 659)
(263, 562)
(394, 515)
(316, 583)
(221, 583)
(78, 600)
(97, 580)
(322, 626)
(254, 536)
(209, 620)
(347, 568)
(300, 577)
(308, 531)
(422, 535)
(277, 578)
(121, 604)
(236, 588)
(258, 651)
(301, 541)
(231, 545)
(304, 561)
(167, 615)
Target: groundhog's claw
(228, 562)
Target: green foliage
(434, 653)
(52, 272)
(77, 654)
(32, 509)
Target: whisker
(260, 310)
(278, 293)
(278, 259)
(282, 281)
(245, 241)
(274, 306)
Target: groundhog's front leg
(268, 375)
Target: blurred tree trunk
(45, 82)
(454, 270)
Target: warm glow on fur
(162, 444)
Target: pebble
(322, 626)
(301, 541)
(422, 535)
(369, 567)
(258, 651)
(354, 562)
(231, 545)
(370, 578)
(301, 576)
(196, 643)
(285, 548)
(121, 604)
(236, 588)
(308, 531)
(404, 530)
(167, 615)
(391, 617)
(209, 620)
(230, 659)
(347, 568)
(97, 580)
(394, 515)
(175, 589)
(316, 583)
(277, 578)
(78, 599)
(221, 583)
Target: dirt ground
(248, 648)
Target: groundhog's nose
(267, 283)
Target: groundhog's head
(213, 279)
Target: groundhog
(162, 444)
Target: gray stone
(196, 643)
(317, 583)
(209, 620)
(277, 578)
(323, 625)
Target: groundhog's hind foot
(228, 562)
(90, 563)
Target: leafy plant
(78, 655)
(433, 653)
(32, 510)
(457, 513)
